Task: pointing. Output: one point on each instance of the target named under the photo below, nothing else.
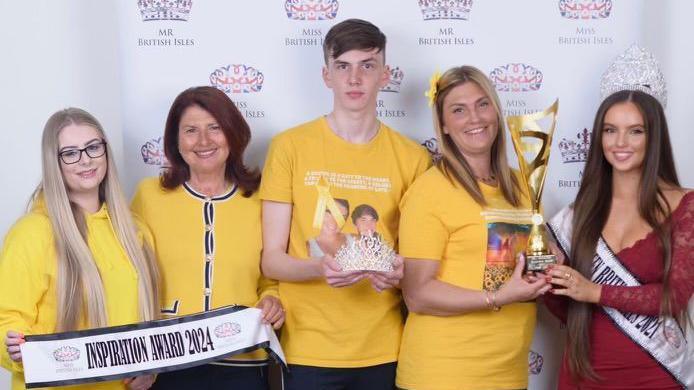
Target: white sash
(105, 354)
(662, 339)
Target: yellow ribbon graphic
(326, 201)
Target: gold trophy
(530, 139)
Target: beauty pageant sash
(106, 354)
(662, 338)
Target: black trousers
(380, 377)
(213, 377)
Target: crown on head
(368, 253)
(516, 77)
(66, 354)
(573, 151)
(311, 9)
(153, 153)
(634, 70)
(237, 78)
(445, 9)
(396, 76)
(585, 9)
(165, 9)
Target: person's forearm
(280, 266)
(443, 299)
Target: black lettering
(166, 32)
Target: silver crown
(368, 253)
(634, 70)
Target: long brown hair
(592, 207)
(235, 129)
(453, 164)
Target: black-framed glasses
(72, 156)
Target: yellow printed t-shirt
(352, 326)
(28, 271)
(208, 249)
(476, 247)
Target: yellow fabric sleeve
(278, 171)
(422, 233)
(23, 279)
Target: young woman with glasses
(77, 259)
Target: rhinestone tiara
(634, 70)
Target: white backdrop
(126, 63)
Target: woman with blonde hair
(472, 314)
(77, 259)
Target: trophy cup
(529, 138)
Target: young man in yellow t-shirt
(346, 337)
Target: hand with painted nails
(335, 276)
(273, 311)
(575, 285)
(12, 342)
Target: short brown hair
(235, 129)
(353, 34)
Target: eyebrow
(76, 147)
(463, 105)
(630, 126)
(340, 62)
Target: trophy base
(538, 263)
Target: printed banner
(105, 354)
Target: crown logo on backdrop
(237, 78)
(153, 153)
(395, 81)
(66, 354)
(585, 9)
(535, 362)
(165, 9)
(368, 253)
(311, 9)
(573, 151)
(516, 77)
(445, 9)
(634, 70)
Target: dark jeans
(212, 377)
(380, 377)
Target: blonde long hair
(453, 164)
(79, 281)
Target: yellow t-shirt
(352, 326)
(28, 271)
(208, 250)
(476, 247)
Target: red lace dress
(620, 362)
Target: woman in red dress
(627, 248)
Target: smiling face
(84, 176)
(624, 137)
(201, 141)
(355, 77)
(470, 119)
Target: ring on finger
(568, 276)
